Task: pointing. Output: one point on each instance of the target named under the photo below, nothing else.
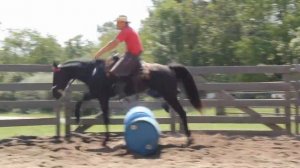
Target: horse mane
(80, 63)
(70, 64)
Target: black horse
(162, 79)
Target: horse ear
(55, 64)
(55, 67)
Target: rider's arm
(108, 47)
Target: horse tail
(189, 84)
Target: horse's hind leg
(166, 107)
(174, 103)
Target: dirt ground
(85, 151)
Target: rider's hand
(96, 57)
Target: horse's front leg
(86, 97)
(104, 106)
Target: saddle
(142, 73)
(146, 69)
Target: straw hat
(122, 18)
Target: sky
(65, 19)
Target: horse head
(60, 81)
(64, 74)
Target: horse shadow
(28, 141)
(121, 150)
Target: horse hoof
(104, 144)
(189, 141)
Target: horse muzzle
(57, 93)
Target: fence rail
(289, 86)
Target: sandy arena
(217, 151)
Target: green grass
(6, 132)
(166, 127)
(32, 114)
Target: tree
(46, 51)
(76, 47)
(29, 46)
(107, 33)
(294, 44)
(223, 32)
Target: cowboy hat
(122, 18)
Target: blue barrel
(137, 112)
(141, 131)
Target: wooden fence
(277, 124)
(29, 104)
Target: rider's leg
(136, 68)
(120, 70)
(128, 65)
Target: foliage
(29, 46)
(76, 48)
(108, 32)
(223, 32)
(190, 32)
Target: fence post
(57, 110)
(287, 108)
(220, 110)
(297, 96)
(297, 110)
(172, 120)
(277, 111)
(67, 104)
(67, 114)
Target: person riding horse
(101, 78)
(163, 79)
(129, 64)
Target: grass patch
(257, 127)
(27, 115)
(6, 132)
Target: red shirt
(132, 40)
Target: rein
(66, 91)
(69, 84)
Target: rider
(130, 62)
